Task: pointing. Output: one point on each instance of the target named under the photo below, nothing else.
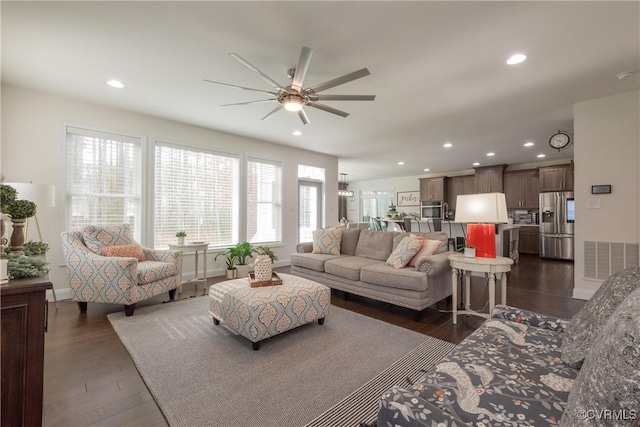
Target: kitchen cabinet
(23, 319)
(459, 185)
(529, 240)
(556, 178)
(521, 189)
(489, 179)
(433, 189)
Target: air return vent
(602, 259)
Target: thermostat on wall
(600, 189)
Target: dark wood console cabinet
(24, 319)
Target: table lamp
(481, 212)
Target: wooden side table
(188, 248)
(464, 265)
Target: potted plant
(231, 258)
(8, 195)
(264, 250)
(19, 211)
(244, 251)
(180, 235)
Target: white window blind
(103, 179)
(264, 201)
(195, 191)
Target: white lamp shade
(477, 208)
(43, 195)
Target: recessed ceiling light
(426, 170)
(516, 59)
(115, 83)
(448, 145)
(297, 133)
(528, 144)
(541, 155)
(401, 163)
(491, 154)
(476, 164)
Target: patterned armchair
(106, 265)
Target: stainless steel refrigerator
(557, 217)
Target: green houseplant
(244, 251)
(19, 211)
(180, 235)
(264, 250)
(8, 195)
(231, 257)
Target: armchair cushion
(97, 237)
(124, 251)
(150, 271)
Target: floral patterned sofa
(523, 369)
(106, 265)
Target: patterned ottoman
(259, 313)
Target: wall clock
(560, 140)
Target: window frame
(279, 204)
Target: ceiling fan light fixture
(293, 104)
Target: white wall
(32, 134)
(607, 151)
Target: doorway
(309, 209)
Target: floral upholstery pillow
(327, 241)
(584, 327)
(129, 251)
(428, 247)
(97, 237)
(405, 250)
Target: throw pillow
(586, 324)
(428, 247)
(128, 251)
(96, 237)
(610, 376)
(327, 241)
(405, 250)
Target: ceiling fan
(293, 97)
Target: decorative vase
(17, 236)
(231, 274)
(4, 272)
(181, 240)
(262, 268)
(470, 252)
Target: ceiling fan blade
(246, 64)
(303, 116)
(301, 69)
(327, 109)
(242, 87)
(340, 80)
(272, 112)
(316, 97)
(249, 102)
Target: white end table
(491, 266)
(188, 248)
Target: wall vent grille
(602, 259)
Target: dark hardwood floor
(90, 380)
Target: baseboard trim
(583, 294)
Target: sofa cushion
(327, 241)
(427, 248)
(311, 261)
(348, 267)
(586, 324)
(96, 237)
(435, 235)
(386, 275)
(375, 244)
(349, 241)
(610, 376)
(403, 253)
(124, 251)
(150, 271)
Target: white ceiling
(438, 70)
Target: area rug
(203, 375)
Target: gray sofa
(523, 369)
(361, 269)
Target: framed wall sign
(600, 189)
(408, 198)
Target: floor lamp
(481, 212)
(44, 196)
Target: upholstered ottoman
(259, 313)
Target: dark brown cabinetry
(489, 179)
(529, 241)
(459, 185)
(433, 189)
(521, 189)
(556, 178)
(23, 318)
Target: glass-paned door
(309, 209)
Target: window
(264, 201)
(375, 203)
(103, 179)
(195, 191)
